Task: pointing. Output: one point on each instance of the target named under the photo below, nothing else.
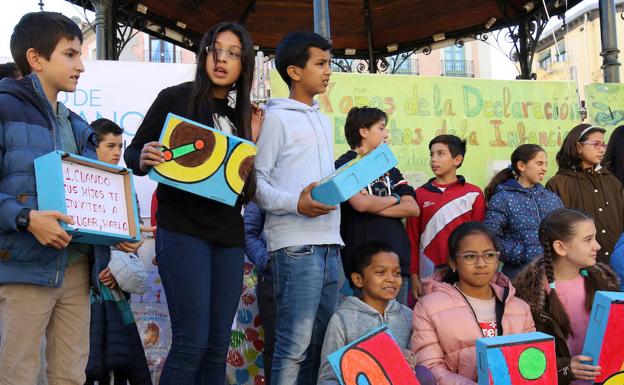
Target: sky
(12, 10)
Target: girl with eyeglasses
(517, 203)
(199, 242)
(463, 302)
(560, 288)
(583, 184)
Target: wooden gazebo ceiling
(410, 24)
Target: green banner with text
(493, 116)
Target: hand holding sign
(151, 155)
(45, 227)
(308, 206)
(584, 371)
(133, 247)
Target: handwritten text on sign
(95, 199)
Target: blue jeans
(203, 284)
(305, 283)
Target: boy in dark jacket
(44, 277)
(115, 344)
(375, 214)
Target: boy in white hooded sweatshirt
(295, 151)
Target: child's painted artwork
(203, 161)
(604, 339)
(519, 359)
(374, 359)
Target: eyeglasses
(596, 143)
(472, 258)
(232, 55)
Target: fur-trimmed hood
(531, 284)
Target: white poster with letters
(95, 199)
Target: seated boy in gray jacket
(377, 273)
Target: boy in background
(116, 346)
(375, 214)
(445, 202)
(295, 151)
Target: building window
(161, 51)
(455, 63)
(409, 66)
(545, 60)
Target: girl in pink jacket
(464, 302)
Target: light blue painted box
(52, 194)
(345, 182)
(598, 321)
(203, 161)
(499, 359)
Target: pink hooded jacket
(446, 330)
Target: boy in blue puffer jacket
(517, 203)
(44, 277)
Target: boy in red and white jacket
(445, 202)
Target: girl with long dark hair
(583, 184)
(199, 242)
(560, 288)
(517, 203)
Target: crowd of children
(450, 252)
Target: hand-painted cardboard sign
(604, 339)
(519, 359)
(203, 161)
(345, 182)
(98, 196)
(374, 359)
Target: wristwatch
(23, 219)
(398, 198)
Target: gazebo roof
(396, 25)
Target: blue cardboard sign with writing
(98, 196)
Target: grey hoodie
(354, 319)
(295, 148)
